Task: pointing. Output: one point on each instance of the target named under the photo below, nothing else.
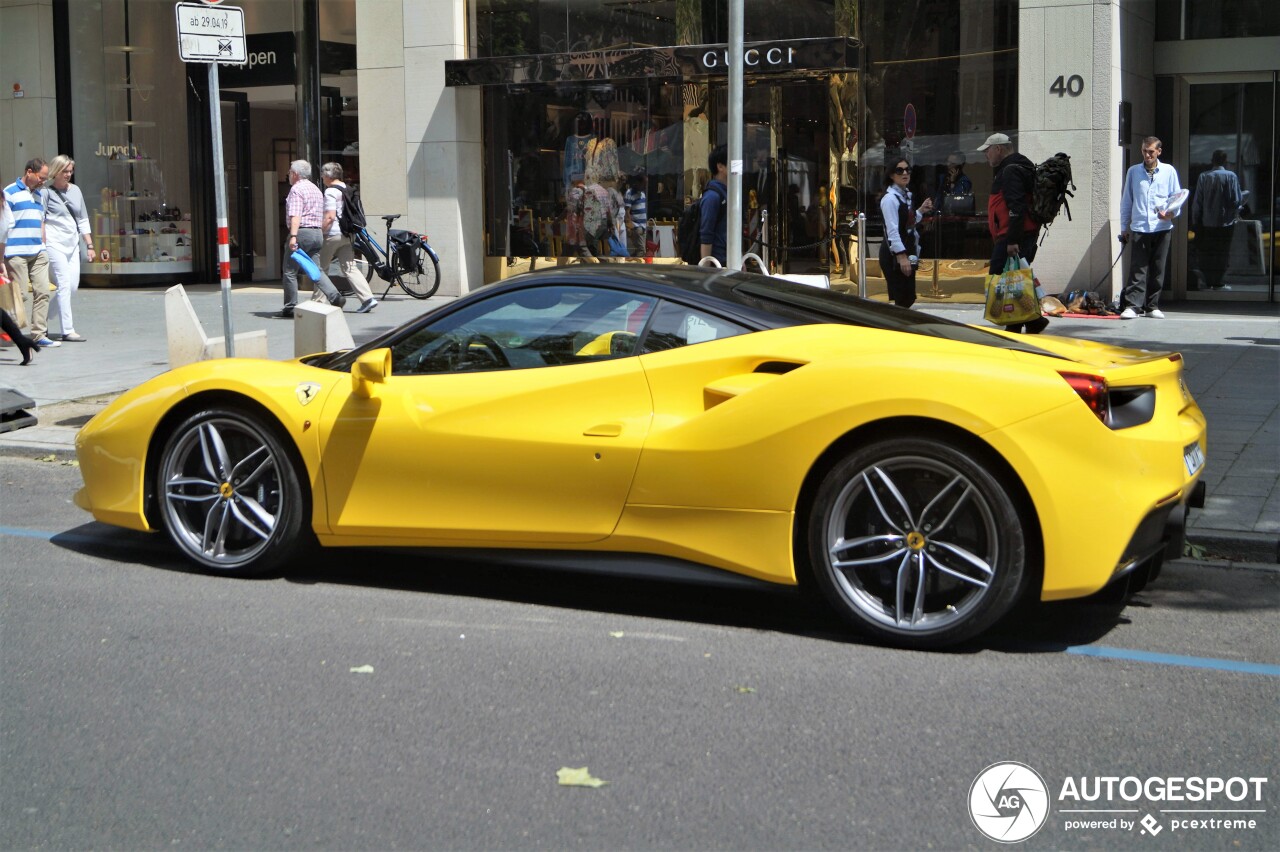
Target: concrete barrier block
(249, 344)
(187, 341)
(318, 327)
(185, 334)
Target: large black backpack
(351, 220)
(689, 231)
(1049, 191)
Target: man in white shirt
(1149, 186)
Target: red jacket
(1011, 197)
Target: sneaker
(46, 342)
(73, 337)
(367, 306)
(1155, 313)
(284, 313)
(1128, 313)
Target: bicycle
(408, 261)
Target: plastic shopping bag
(1011, 296)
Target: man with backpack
(1012, 228)
(343, 216)
(713, 227)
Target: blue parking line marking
(1175, 660)
(21, 533)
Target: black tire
(423, 282)
(898, 510)
(229, 493)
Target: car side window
(676, 325)
(520, 329)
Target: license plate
(1193, 457)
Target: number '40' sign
(1073, 86)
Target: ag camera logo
(1008, 802)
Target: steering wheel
(480, 350)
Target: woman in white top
(336, 244)
(66, 224)
(899, 252)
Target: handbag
(1011, 296)
(617, 246)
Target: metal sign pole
(733, 223)
(862, 255)
(220, 196)
(213, 33)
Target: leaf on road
(616, 634)
(745, 689)
(49, 458)
(577, 778)
(362, 669)
(71, 463)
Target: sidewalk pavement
(1232, 353)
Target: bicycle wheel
(423, 281)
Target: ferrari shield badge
(306, 392)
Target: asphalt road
(143, 706)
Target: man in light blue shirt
(1148, 188)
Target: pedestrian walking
(337, 244)
(1149, 187)
(1214, 211)
(1013, 231)
(66, 228)
(24, 249)
(713, 225)
(304, 211)
(900, 248)
(8, 324)
(636, 205)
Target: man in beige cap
(1012, 230)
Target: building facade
(472, 118)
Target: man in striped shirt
(304, 211)
(24, 247)
(637, 206)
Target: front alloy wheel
(915, 542)
(229, 493)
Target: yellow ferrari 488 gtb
(923, 474)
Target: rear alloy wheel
(914, 542)
(229, 493)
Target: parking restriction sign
(208, 33)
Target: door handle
(604, 430)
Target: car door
(518, 418)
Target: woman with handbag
(66, 224)
(900, 249)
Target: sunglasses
(902, 170)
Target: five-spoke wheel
(229, 493)
(914, 541)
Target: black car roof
(757, 301)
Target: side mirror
(371, 368)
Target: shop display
(137, 228)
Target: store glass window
(941, 77)
(131, 153)
(1178, 20)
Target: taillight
(1093, 390)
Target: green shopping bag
(1011, 296)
